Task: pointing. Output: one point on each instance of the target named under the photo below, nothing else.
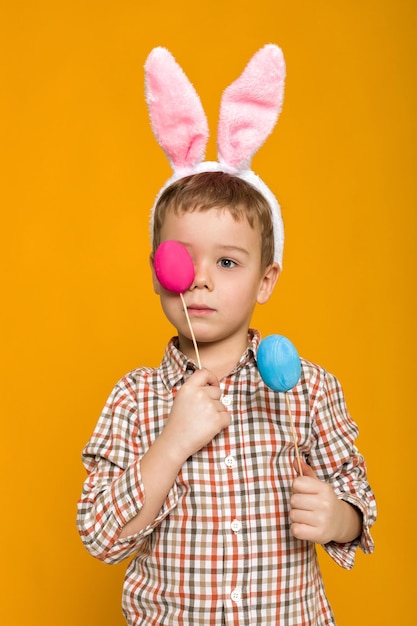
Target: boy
(193, 471)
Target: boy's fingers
(204, 377)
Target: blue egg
(278, 363)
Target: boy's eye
(227, 263)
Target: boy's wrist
(173, 452)
(350, 526)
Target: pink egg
(174, 266)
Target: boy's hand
(317, 514)
(197, 414)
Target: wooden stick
(294, 434)
(191, 331)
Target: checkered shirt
(220, 551)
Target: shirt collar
(175, 366)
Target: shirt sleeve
(336, 459)
(113, 492)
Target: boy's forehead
(218, 225)
(201, 212)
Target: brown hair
(218, 190)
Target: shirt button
(236, 526)
(226, 400)
(236, 595)
(230, 461)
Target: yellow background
(79, 170)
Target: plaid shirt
(220, 551)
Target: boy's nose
(202, 278)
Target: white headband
(249, 109)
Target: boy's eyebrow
(225, 248)
(233, 248)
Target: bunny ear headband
(249, 109)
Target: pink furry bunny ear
(177, 116)
(250, 107)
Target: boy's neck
(218, 357)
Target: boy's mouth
(199, 309)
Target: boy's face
(228, 281)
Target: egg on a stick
(280, 368)
(174, 268)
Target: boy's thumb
(306, 469)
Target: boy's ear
(268, 282)
(155, 281)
